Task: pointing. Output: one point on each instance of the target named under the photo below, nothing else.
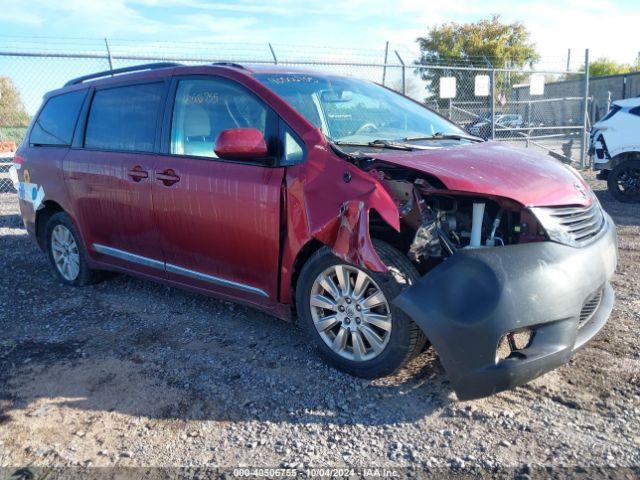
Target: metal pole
(585, 111)
(404, 85)
(273, 54)
(493, 104)
(384, 67)
(529, 106)
(109, 57)
(568, 60)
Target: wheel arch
(624, 156)
(379, 229)
(49, 209)
(304, 254)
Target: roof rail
(229, 64)
(135, 68)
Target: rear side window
(57, 120)
(635, 111)
(124, 118)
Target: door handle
(137, 174)
(168, 177)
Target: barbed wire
(409, 54)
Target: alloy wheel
(350, 313)
(66, 255)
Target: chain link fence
(503, 105)
(500, 104)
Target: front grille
(571, 225)
(582, 223)
(590, 307)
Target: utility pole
(568, 60)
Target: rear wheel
(66, 252)
(347, 312)
(624, 181)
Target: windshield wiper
(444, 136)
(376, 144)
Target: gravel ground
(132, 373)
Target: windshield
(350, 110)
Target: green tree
(482, 44)
(606, 66)
(13, 116)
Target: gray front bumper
(467, 303)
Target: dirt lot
(132, 373)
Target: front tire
(66, 252)
(623, 181)
(347, 312)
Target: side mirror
(241, 143)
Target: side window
(293, 149)
(124, 118)
(205, 107)
(57, 120)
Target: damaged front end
(443, 222)
(505, 295)
(507, 291)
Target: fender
(619, 155)
(329, 199)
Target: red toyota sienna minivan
(381, 226)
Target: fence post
(404, 86)
(384, 67)
(529, 107)
(585, 112)
(106, 44)
(493, 104)
(273, 54)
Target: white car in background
(615, 148)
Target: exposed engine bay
(443, 221)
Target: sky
(606, 27)
(329, 29)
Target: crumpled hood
(493, 168)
